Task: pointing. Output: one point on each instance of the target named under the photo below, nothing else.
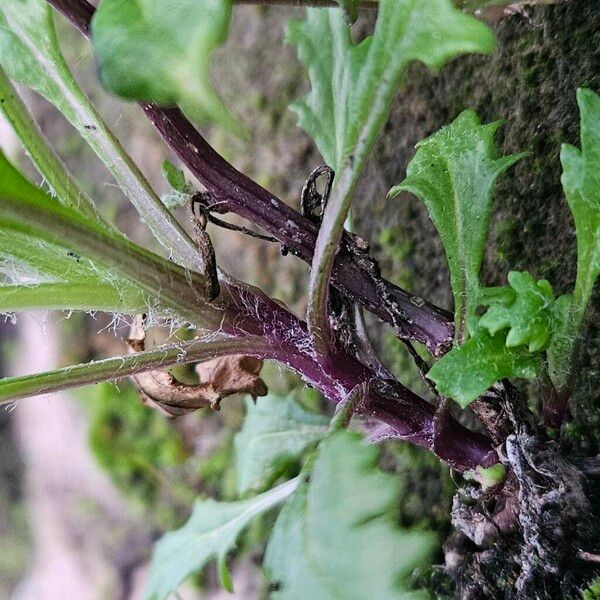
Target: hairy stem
(48, 163)
(243, 311)
(171, 285)
(73, 296)
(337, 373)
(412, 317)
(123, 366)
(366, 4)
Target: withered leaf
(220, 377)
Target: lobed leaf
(469, 370)
(353, 85)
(160, 52)
(276, 429)
(210, 533)
(528, 316)
(581, 184)
(453, 172)
(338, 537)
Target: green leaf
(28, 212)
(160, 52)
(29, 52)
(338, 536)
(175, 177)
(352, 90)
(581, 184)
(529, 315)
(24, 23)
(275, 430)
(453, 172)
(592, 591)
(210, 533)
(353, 85)
(64, 279)
(560, 350)
(469, 370)
(182, 190)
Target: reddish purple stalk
(248, 311)
(412, 317)
(408, 416)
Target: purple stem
(249, 311)
(408, 417)
(412, 317)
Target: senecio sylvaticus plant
(520, 508)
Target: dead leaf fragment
(220, 377)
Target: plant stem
(173, 286)
(243, 311)
(123, 366)
(412, 317)
(48, 163)
(72, 296)
(366, 4)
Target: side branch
(198, 350)
(412, 317)
(243, 311)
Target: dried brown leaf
(220, 377)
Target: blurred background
(91, 478)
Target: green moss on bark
(543, 56)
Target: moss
(593, 590)
(217, 470)
(396, 248)
(428, 488)
(530, 81)
(138, 449)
